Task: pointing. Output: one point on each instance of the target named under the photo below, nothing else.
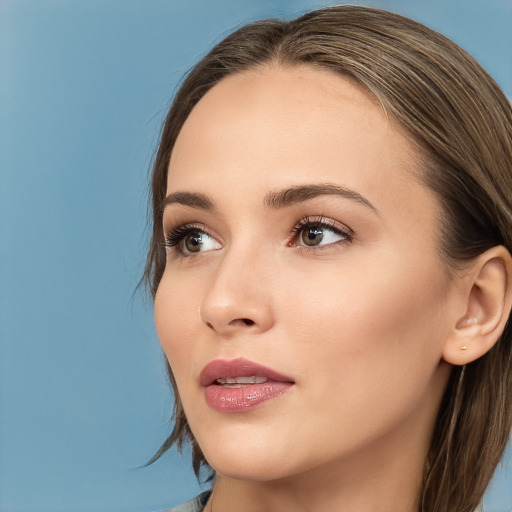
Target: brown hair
(462, 121)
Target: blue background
(84, 87)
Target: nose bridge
(238, 296)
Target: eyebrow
(280, 199)
(193, 199)
(300, 193)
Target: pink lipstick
(239, 385)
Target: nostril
(239, 322)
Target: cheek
(370, 305)
(375, 337)
(174, 310)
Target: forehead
(274, 127)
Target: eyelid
(175, 235)
(171, 229)
(321, 221)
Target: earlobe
(486, 309)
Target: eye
(320, 232)
(189, 240)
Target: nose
(238, 299)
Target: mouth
(239, 385)
(239, 382)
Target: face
(303, 307)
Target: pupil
(312, 236)
(193, 242)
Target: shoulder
(195, 505)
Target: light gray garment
(195, 505)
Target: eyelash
(322, 222)
(178, 234)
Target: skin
(360, 325)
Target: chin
(255, 461)
(241, 459)
(260, 469)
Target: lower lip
(245, 398)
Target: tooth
(251, 380)
(242, 380)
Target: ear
(486, 309)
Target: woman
(331, 267)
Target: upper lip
(224, 369)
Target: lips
(239, 385)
